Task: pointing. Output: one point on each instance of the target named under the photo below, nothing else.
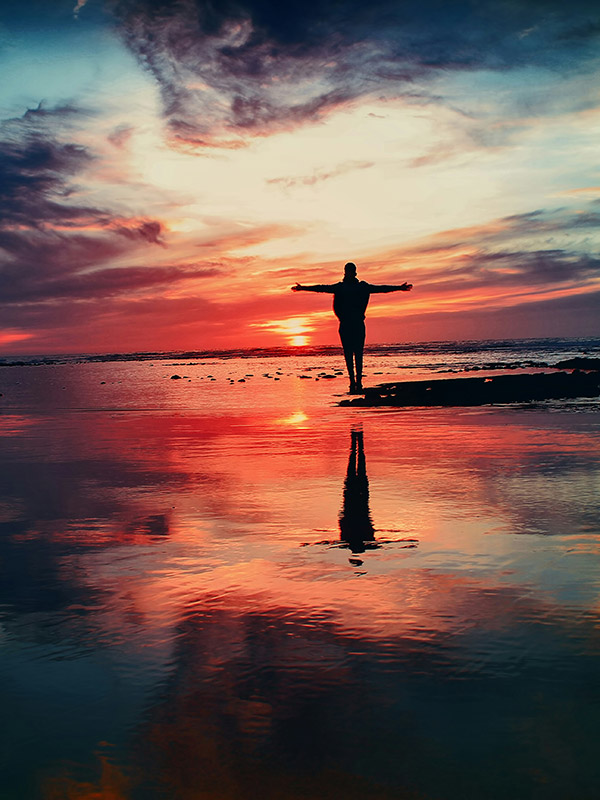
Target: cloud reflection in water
(156, 598)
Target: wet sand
(496, 389)
(183, 615)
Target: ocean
(429, 355)
(223, 584)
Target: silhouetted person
(350, 301)
(356, 527)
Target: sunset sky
(169, 168)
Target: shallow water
(230, 590)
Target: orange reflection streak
(113, 785)
(210, 546)
(236, 678)
(473, 460)
(15, 424)
(229, 506)
(297, 418)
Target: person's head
(350, 270)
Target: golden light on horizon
(296, 330)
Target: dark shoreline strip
(481, 391)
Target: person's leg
(347, 346)
(359, 346)
(358, 355)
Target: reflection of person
(356, 527)
(350, 300)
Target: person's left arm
(383, 289)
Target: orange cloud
(9, 337)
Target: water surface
(224, 589)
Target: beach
(220, 583)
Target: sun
(298, 341)
(296, 330)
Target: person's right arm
(320, 287)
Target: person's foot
(352, 389)
(359, 387)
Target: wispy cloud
(78, 6)
(146, 230)
(54, 247)
(225, 236)
(321, 175)
(231, 69)
(515, 261)
(120, 135)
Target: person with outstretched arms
(350, 301)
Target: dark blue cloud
(53, 248)
(270, 63)
(528, 270)
(35, 167)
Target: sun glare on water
(297, 418)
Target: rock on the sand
(586, 364)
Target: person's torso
(350, 300)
